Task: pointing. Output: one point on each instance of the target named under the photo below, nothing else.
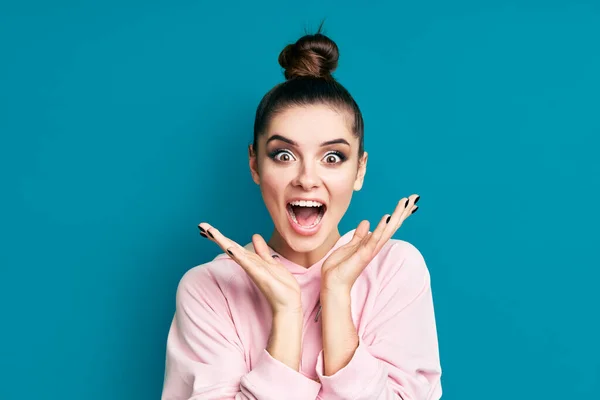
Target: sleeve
(205, 357)
(397, 356)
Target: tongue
(306, 216)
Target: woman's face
(307, 167)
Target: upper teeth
(306, 203)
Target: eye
(281, 155)
(334, 157)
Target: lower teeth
(321, 213)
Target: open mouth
(306, 214)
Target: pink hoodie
(216, 348)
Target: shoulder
(401, 250)
(398, 249)
(208, 281)
(402, 263)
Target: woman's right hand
(277, 284)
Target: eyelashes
(276, 152)
(341, 155)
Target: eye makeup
(276, 152)
(341, 155)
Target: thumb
(360, 232)
(261, 248)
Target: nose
(307, 177)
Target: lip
(300, 229)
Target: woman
(310, 314)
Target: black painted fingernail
(388, 219)
(415, 210)
(202, 234)
(417, 199)
(229, 251)
(201, 229)
(210, 234)
(405, 204)
(275, 255)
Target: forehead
(310, 125)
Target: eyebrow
(327, 143)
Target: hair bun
(311, 56)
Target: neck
(305, 259)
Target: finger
(409, 210)
(239, 254)
(395, 220)
(362, 230)
(202, 231)
(377, 234)
(357, 260)
(215, 235)
(346, 251)
(249, 261)
(261, 248)
(359, 233)
(260, 265)
(396, 217)
(415, 203)
(241, 257)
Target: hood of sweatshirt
(309, 278)
(315, 268)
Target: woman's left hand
(341, 269)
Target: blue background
(125, 124)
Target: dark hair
(308, 65)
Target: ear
(362, 170)
(253, 163)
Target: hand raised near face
(276, 283)
(341, 269)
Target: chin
(304, 244)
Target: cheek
(272, 185)
(341, 187)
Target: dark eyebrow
(327, 143)
(335, 141)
